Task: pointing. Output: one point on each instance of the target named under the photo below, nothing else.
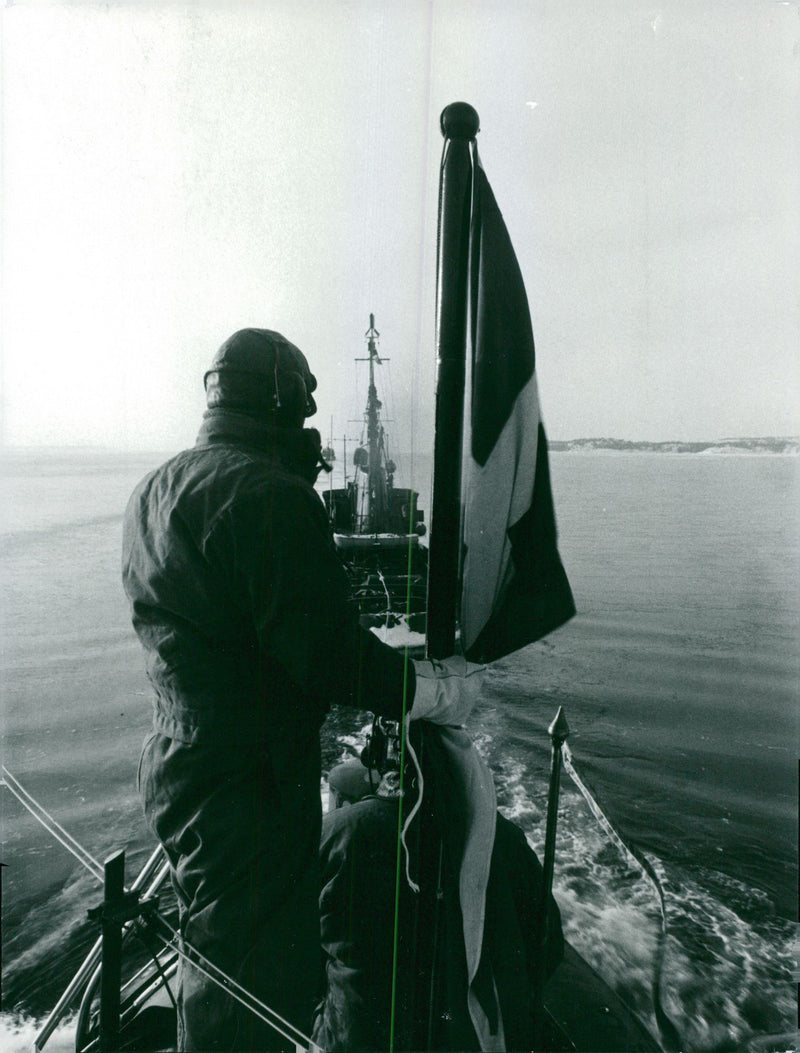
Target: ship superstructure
(377, 527)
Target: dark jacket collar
(299, 449)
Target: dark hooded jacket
(238, 596)
(241, 603)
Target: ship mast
(377, 498)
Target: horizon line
(117, 448)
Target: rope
(388, 598)
(668, 1031)
(417, 805)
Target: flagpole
(459, 123)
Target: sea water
(678, 677)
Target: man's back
(243, 609)
(218, 544)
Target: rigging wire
(52, 826)
(174, 942)
(143, 933)
(669, 1033)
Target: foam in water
(725, 981)
(17, 1035)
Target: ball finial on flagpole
(459, 120)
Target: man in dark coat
(241, 604)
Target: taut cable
(668, 1031)
(49, 823)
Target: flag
(514, 587)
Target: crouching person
(401, 966)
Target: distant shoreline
(780, 446)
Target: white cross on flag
(514, 588)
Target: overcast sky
(175, 171)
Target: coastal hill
(785, 446)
